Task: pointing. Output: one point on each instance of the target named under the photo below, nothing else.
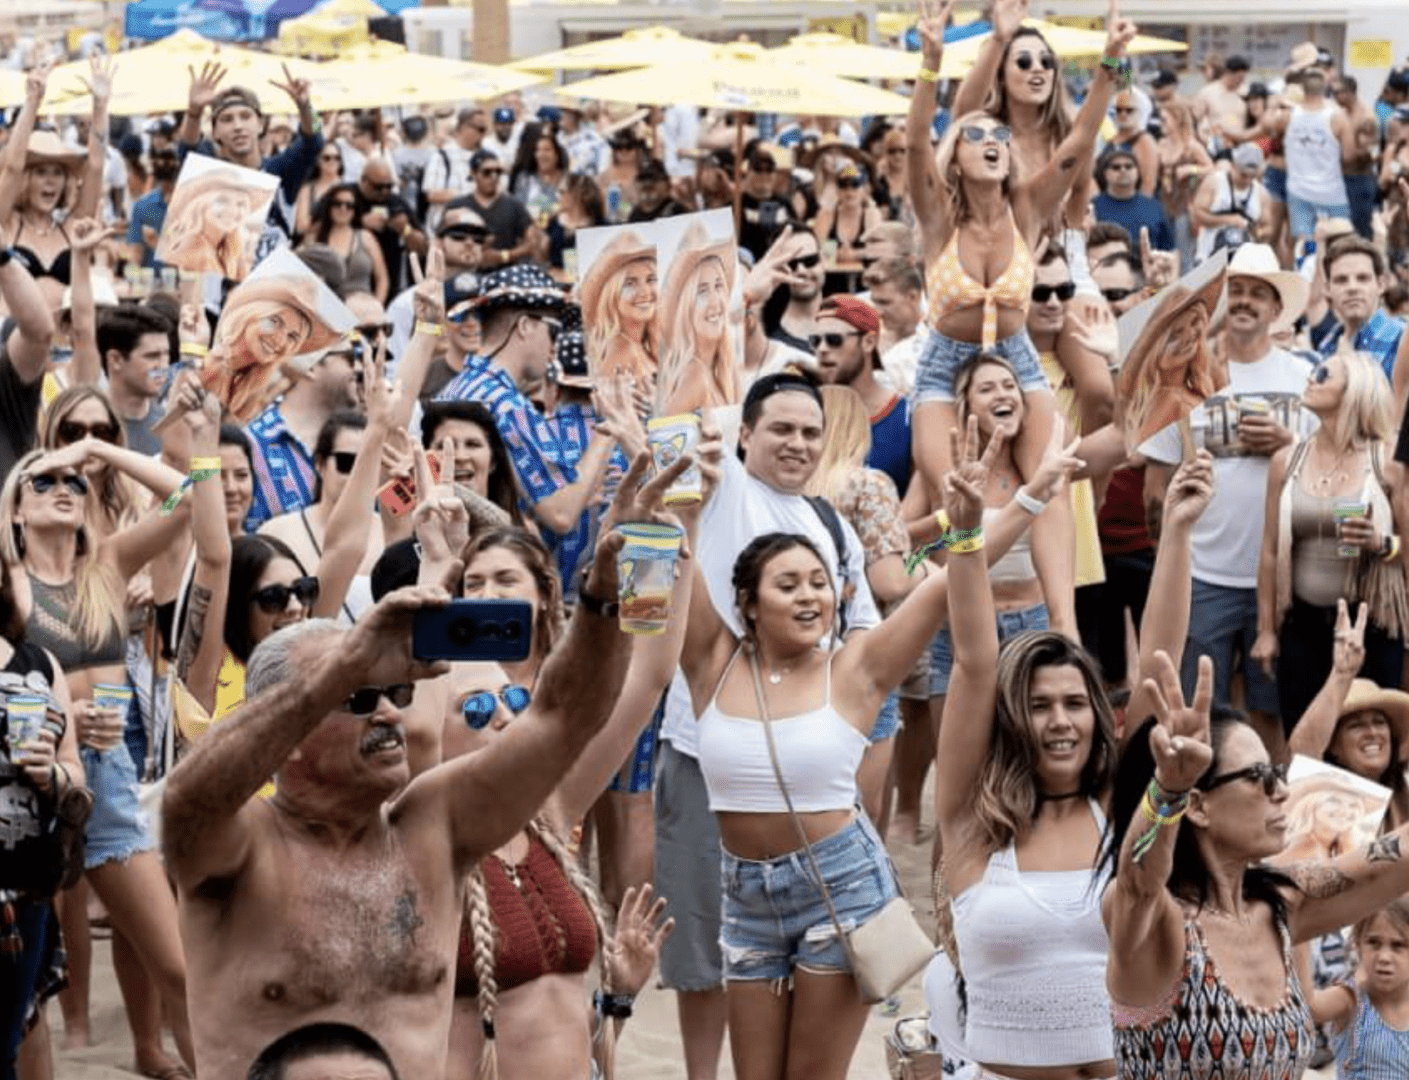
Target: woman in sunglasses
(1332, 532)
(84, 413)
(338, 224)
(327, 173)
(534, 921)
(71, 566)
(846, 214)
(980, 221)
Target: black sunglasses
(466, 232)
(385, 185)
(553, 325)
(1025, 61)
(363, 702)
(1121, 110)
(479, 708)
(1063, 292)
(71, 431)
(43, 483)
(832, 340)
(1320, 373)
(1115, 296)
(804, 262)
(344, 204)
(849, 183)
(491, 172)
(1269, 776)
(372, 331)
(344, 460)
(273, 599)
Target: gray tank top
(52, 626)
(1318, 571)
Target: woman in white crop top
(794, 1009)
(1023, 776)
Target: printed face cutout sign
(274, 326)
(1330, 811)
(216, 217)
(662, 302)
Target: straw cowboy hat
(1366, 695)
(695, 247)
(295, 291)
(625, 247)
(208, 183)
(44, 147)
(1260, 261)
(1336, 783)
(1177, 300)
(1303, 56)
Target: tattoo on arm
(197, 608)
(1318, 882)
(1383, 849)
(405, 919)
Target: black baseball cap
(482, 158)
(1237, 63)
(780, 382)
(1164, 77)
(651, 171)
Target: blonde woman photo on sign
(620, 308)
(698, 368)
(215, 219)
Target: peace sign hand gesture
(37, 82)
(1179, 741)
(1348, 653)
(964, 484)
(934, 17)
(298, 89)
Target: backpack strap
(832, 520)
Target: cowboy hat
(1174, 302)
(625, 247)
(695, 247)
(216, 180)
(297, 291)
(1365, 695)
(1260, 261)
(45, 147)
(1303, 56)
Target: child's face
(1384, 956)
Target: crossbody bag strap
(787, 799)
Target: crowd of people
(925, 556)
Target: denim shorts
(117, 827)
(942, 359)
(1010, 625)
(1223, 626)
(1274, 179)
(774, 918)
(1302, 215)
(887, 720)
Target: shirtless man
(339, 899)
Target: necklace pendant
(775, 677)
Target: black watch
(6, 254)
(595, 605)
(613, 1006)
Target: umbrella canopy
(742, 75)
(11, 88)
(380, 72)
(1068, 42)
(836, 54)
(650, 45)
(156, 78)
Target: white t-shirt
(1228, 538)
(744, 508)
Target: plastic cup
(170, 279)
(646, 571)
(26, 717)
(1344, 509)
(112, 696)
(670, 438)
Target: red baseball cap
(851, 310)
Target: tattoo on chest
(1383, 849)
(1320, 882)
(405, 919)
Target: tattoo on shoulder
(1317, 881)
(1384, 848)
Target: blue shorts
(1274, 179)
(639, 772)
(1302, 215)
(117, 828)
(1010, 625)
(774, 917)
(943, 358)
(1223, 626)
(887, 720)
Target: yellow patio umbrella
(836, 54)
(11, 88)
(1068, 42)
(381, 73)
(649, 45)
(328, 29)
(156, 78)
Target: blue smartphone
(474, 630)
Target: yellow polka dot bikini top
(953, 289)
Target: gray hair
(272, 661)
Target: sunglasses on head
(71, 431)
(43, 483)
(832, 340)
(466, 232)
(363, 702)
(1025, 61)
(1115, 296)
(977, 133)
(479, 708)
(273, 599)
(1064, 292)
(343, 460)
(1268, 775)
(804, 262)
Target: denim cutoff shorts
(117, 827)
(942, 359)
(887, 720)
(1010, 625)
(1274, 180)
(774, 917)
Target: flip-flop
(175, 1071)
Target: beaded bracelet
(1121, 69)
(1159, 808)
(202, 468)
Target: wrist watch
(6, 254)
(614, 1006)
(595, 605)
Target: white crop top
(818, 754)
(1016, 563)
(1033, 949)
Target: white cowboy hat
(1260, 261)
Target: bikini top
(59, 269)
(954, 289)
(542, 926)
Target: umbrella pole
(738, 176)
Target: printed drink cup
(112, 696)
(646, 571)
(25, 716)
(669, 439)
(1344, 510)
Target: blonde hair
(117, 498)
(483, 935)
(954, 202)
(847, 444)
(247, 382)
(99, 603)
(1366, 410)
(187, 229)
(965, 378)
(1181, 114)
(605, 322)
(683, 350)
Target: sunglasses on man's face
(373, 331)
(466, 232)
(491, 172)
(1026, 61)
(1063, 292)
(363, 702)
(977, 133)
(273, 599)
(1124, 110)
(43, 483)
(553, 325)
(1115, 296)
(385, 185)
(804, 262)
(478, 709)
(343, 460)
(849, 184)
(71, 431)
(832, 341)
(1268, 775)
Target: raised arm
(1315, 728)
(205, 85)
(86, 368)
(923, 179)
(12, 157)
(1334, 893)
(93, 188)
(1007, 16)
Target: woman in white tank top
(794, 1009)
(1024, 766)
